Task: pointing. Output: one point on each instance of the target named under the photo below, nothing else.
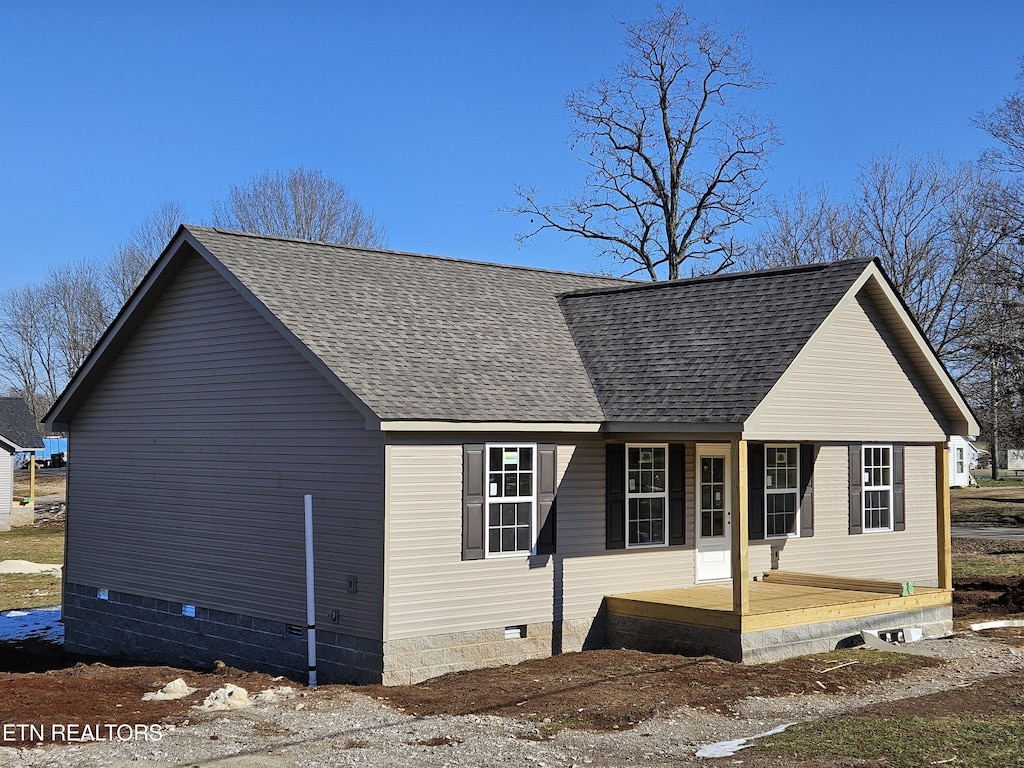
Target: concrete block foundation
(414, 659)
(134, 627)
(138, 628)
(767, 645)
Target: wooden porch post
(32, 476)
(740, 533)
(943, 523)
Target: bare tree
(78, 313)
(932, 225)
(1005, 124)
(26, 351)
(804, 227)
(131, 259)
(674, 161)
(303, 203)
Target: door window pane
(712, 496)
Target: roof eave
(439, 425)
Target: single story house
(18, 434)
(963, 457)
(504, 462)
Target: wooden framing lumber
(943, 523)
(880, 586)
(740, 533)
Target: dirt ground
(49, 482)
(42, 686)
(616, 689)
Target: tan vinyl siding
(851, 382)
(431, 590)
(192, 457)
(908, 555)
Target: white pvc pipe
(310, 594)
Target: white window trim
(796, 521)
(638, 495)
(864, 488)
(509, 500)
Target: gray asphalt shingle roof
(422, 337)
(428, 338)
(704, 350)
(17, 426)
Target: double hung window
(646, 494)
(782, 490)
(511, 498)
(877, 487)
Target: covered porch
(754, 617)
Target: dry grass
(19, 591)
(1001, 505)
(37, 545)
(985, 558)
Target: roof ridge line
(412, 254)
(723, 276)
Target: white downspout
(310, 594)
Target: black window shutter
(807, 455)
(472, 502)
(755, 491)
(676, 493)
(899, 516)
(546, 455)
(856, 483)
(615, 496)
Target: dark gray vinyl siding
(192, 457)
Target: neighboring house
(963, 457)
(18, 434)
(504, 462)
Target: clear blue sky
(430, 111)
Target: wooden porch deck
(772, 605)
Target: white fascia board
(487, 426)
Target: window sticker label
(494, 489)
(511, 457)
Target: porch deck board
(772, 606)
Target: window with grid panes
(781, 490)
(646, 494)
(511, 498)
(877, 489)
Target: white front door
(714, 512)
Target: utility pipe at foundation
(310, 594)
